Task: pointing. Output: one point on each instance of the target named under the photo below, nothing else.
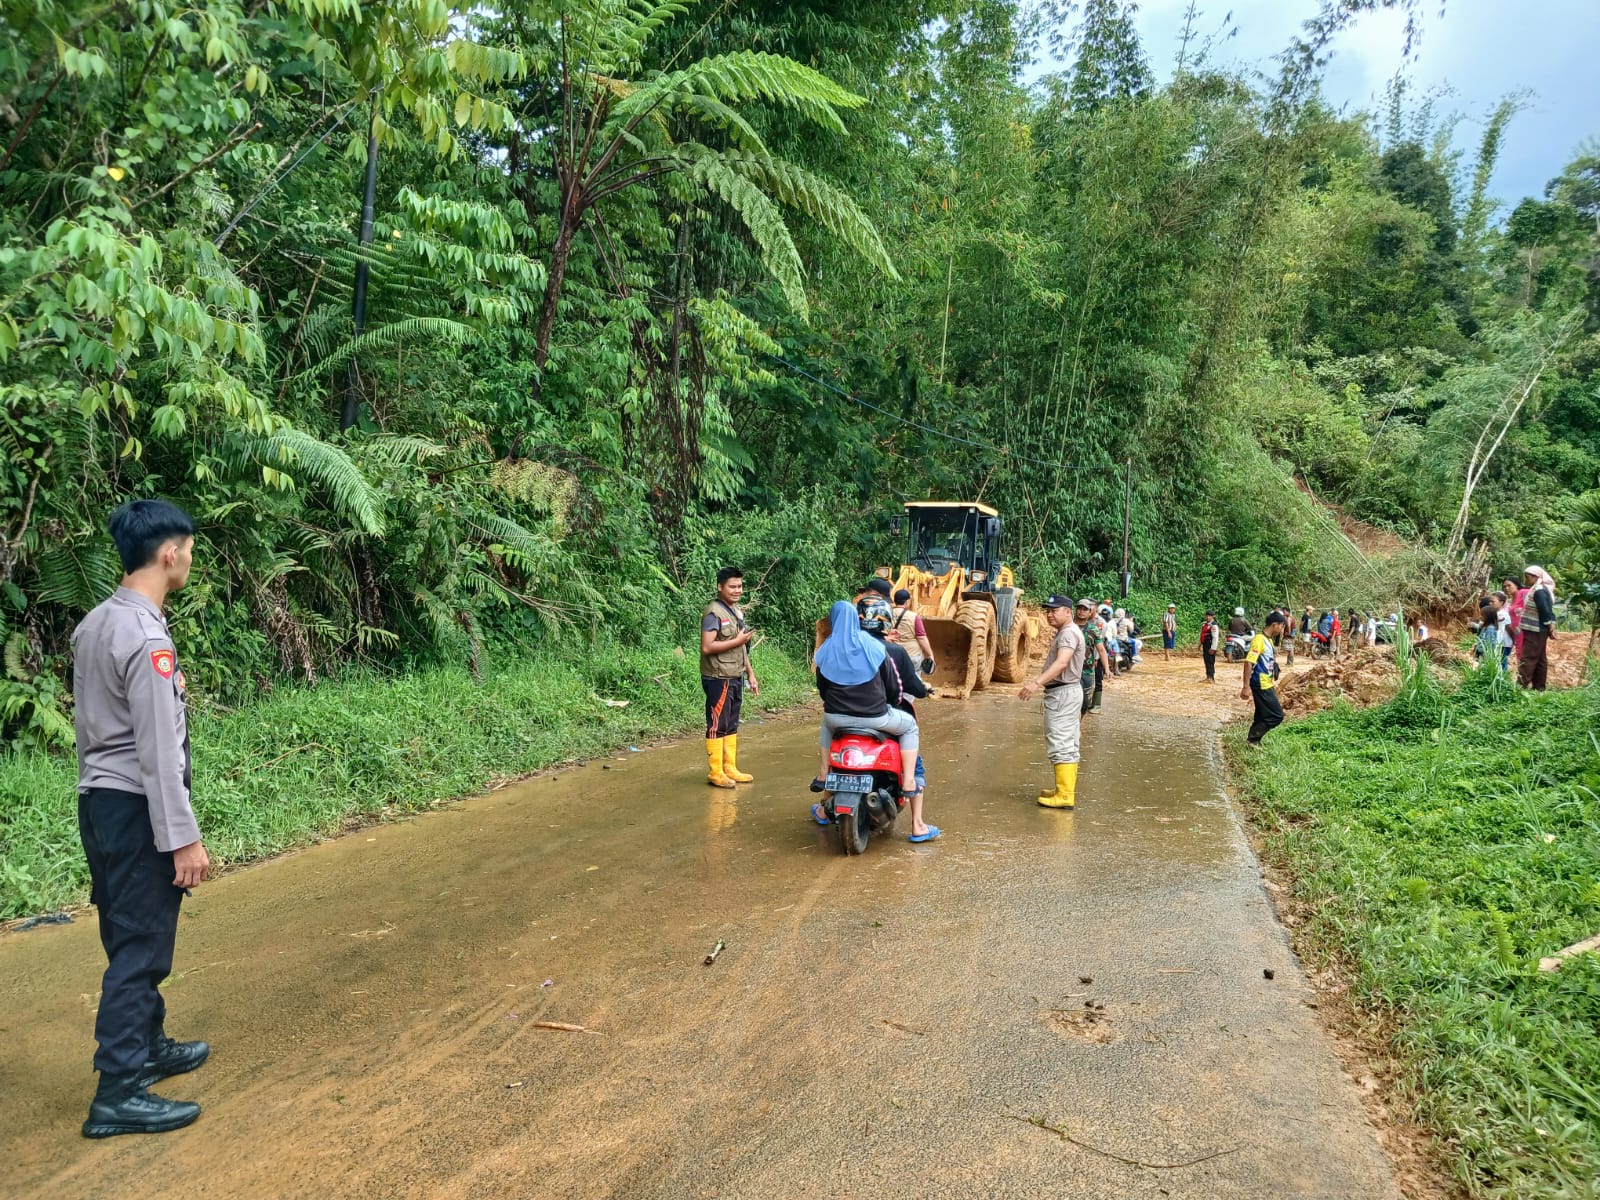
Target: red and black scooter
(863, 785)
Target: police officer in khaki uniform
(724, 667)
(138, 829)
(1062, 683)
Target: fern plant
(621, 127)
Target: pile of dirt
(1565, 654)
(1364, 677)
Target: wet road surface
(884, 1026)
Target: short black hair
(141, 527)
(880, 585)
(1209, 613)
(728, 573)
(1276, 617)
(903, 596)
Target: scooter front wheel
(854, 825)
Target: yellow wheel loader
(966, 597)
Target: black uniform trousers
(1211, 663)
(1269, 712)
(724, 699)
(131, 886)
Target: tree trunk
(559, 253)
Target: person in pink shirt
(1516, 600)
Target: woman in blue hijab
(856, 680)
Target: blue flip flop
(821, 817)
(933, 832)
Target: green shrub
(1442, 844)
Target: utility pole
(1127, 524)
(350, 412)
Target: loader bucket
(958, 652)
(957, 667)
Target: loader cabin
(946, 534)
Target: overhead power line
(940, 433)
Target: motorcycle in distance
(863, 786)
(1237, 648)
(1125, 655)
(1321, 643)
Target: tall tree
(1111, 64)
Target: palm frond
(411, 329)
(520, 547)
(818, 199)
(622, 36)
(297, 453)
(439, 619)
(76, 575)
(765, 223)
(388, 451)
(719, 115)
(738, 76)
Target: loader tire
(978, 618)
(1012, 664)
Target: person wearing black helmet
(878, 586)
(876, 620)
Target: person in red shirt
(1333, 635)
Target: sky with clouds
(1481, 49)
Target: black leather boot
(121, 1105)
(167, 1058)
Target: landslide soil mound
(1364, 677)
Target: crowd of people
(145, 853)
(1519, 620)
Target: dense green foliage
(648, 286)
(623, 313)
(1441, 845)
(303, 762)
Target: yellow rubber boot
(1066, 790)
(715, 748)
(730, 760)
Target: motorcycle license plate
(848, 783)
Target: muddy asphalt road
(883, 1026)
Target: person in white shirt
(1503, 628)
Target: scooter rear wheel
(854, 827)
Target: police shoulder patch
(164, 662)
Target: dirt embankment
(1366, 676)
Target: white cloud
(1482, 49)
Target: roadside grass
(302, 762)
(1439, 846)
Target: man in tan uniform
(908, 628)
(724, 667)
(1062, 683)
(134, 817)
